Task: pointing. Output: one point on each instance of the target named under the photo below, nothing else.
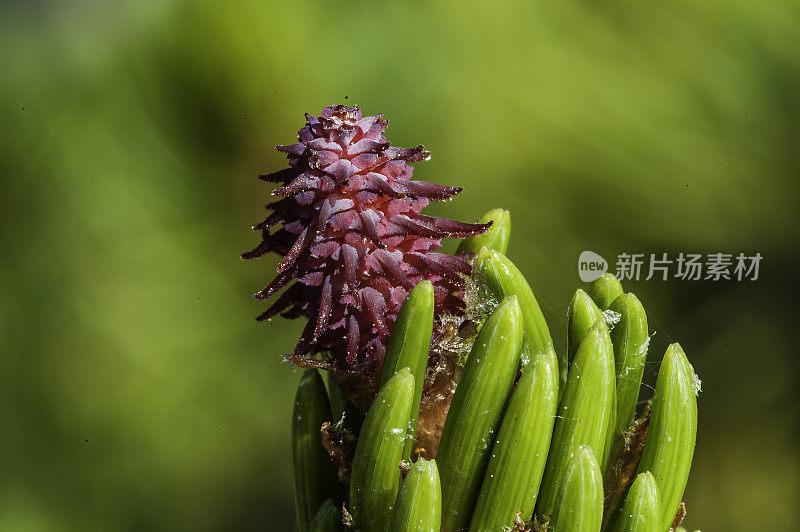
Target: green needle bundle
(531, 440)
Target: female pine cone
(354, 241)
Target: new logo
(591, 266)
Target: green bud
(313, 473)
(582, 314)
(419, 504)
(495, 238)
(409, 346)
(640, 513)
(586, 413)
(519, 454)
(498, 275)
(579, 505)
(475, 412)
(376, 473)
(604, 290)
(630, 339)
(669, 446)
(328, 518)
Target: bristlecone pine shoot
(476, 412)
(532, 441)
(579, 504)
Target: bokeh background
(138, 393)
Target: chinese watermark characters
(688, 266)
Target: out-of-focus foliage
(137, 393)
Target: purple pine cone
(354, 241)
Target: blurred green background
(138, 393)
